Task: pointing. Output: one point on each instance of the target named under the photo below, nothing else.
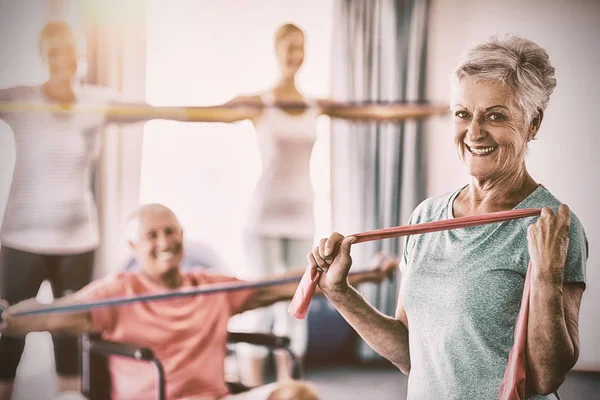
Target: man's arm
(384, 267)
(71, 323)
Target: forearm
(551, 352)
(266, 296)
(391, 112)
(131, 113)
(387, 336)
(55, 323)
(286, 291)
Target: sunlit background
(208, 55)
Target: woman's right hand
(332, 258)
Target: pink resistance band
(306, 289)
(514, 382)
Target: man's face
(159, 242)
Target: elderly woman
(461, 289)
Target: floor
(36, 382)
(384, 383)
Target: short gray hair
(518, 63)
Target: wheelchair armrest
(121, 349)
(271, 341)
(93, 343)
(259, 339)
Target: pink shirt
(188, 335)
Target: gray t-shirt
(462, 291)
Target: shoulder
(17, 92)
(109, 286)
(205, 276)
(101, 94)
(328, 102)
(544, 198)
(431, 209)
(246, 98)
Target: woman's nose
(474, 131)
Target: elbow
(403, 365)
(547, 381)
(547, 385)
(404, 369)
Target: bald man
(188, 335)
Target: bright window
(206, 52)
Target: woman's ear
(536, 122)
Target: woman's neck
(490, 195)
(62, 91)
(286, 86)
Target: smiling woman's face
(489, 130)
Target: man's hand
(385, 267)
(3, 316)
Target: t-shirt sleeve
(6, 95)
(577, 254)
(103, 318)
(407, 244)
(235, 298)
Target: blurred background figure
(50, 227)
(50, 230)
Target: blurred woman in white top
(50, 226)
(280, 227)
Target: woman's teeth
(166, 255)
(482, 151)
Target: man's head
(156, 237)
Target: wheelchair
(95, 374)
(95, 351)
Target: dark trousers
(21, 274)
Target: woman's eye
(462, 114)
(496, 117)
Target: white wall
(565, 157)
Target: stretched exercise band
(303, 296)
(167, 295)
(150, 112)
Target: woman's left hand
(548, 241)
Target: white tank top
(282, 205)
(51, 207)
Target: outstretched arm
(383, 267)
(238, 109)
(73, 323)
(381, 112)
